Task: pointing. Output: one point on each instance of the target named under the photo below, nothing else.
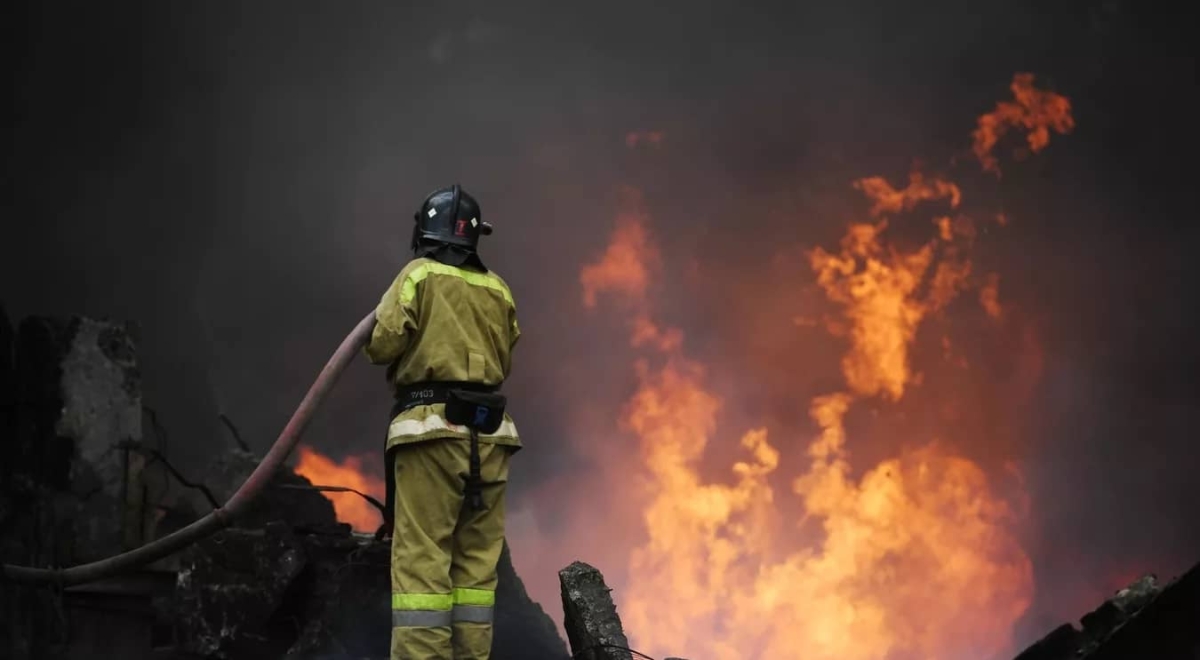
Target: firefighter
(446, 329)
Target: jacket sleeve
(395, 322)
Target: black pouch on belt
(480, 412)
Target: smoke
(239, 179)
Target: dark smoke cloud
(238, 177)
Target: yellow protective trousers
(444, 553)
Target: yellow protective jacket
(444, 323)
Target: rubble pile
(285, 501)
(1143, 620)
(80, 414)
(288, 581)
(72, 484)
(274, 593)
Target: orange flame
(882, 313)
(351, 508)
(878, 287)
(888, 199)
(913, 559)
(624, 267)
(1036, 111)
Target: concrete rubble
(289, 581)
(1143, 620)
(590, 616)
(272, 593)
(73, 480)
(80, 413)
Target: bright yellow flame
(880, 306)
(913, 560)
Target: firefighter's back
(467, 325)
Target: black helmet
(449, 216)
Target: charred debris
(83, 479)
(86, 476)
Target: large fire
(914, 559)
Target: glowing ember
(324, 471)
(915, 559)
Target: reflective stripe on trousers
(473, 605)
(422, 610)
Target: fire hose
(220, 517)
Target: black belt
(427, 394)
